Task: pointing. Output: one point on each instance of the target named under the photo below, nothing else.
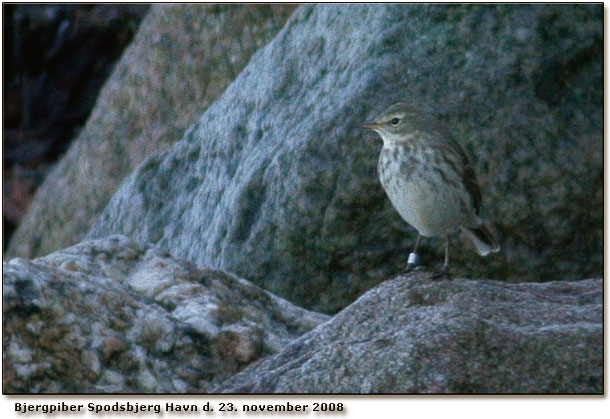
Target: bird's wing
(458, 159)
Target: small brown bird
(429, 180)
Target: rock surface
(118, 316)
(275, 183)
(57, 58)
(413, 335)
(182, 58)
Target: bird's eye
(394, 121)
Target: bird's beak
(371, 127)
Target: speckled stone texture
(182, 58)
(275, 183)
(413, 335)
(117, 316)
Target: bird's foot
(442, 274)
(412, 263)
(408, 269)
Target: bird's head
(397, 122)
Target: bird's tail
(483, 239)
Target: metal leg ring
(413, 259)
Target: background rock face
(181, 59)
(118, 316)
(413, 335)
(57, 58)
(275, 184)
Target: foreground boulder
(118, 316)
(413, 335)
(275, 183)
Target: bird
(429, 180)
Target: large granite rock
(57, 57)
(182, 58)
(275, 183)
(118, 316)
(413, 335)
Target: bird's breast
(418, 190)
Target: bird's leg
(444, 272)
(413, 259)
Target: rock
(118, 316)
(413, 335)
(57, 58)
(182, 59)
(275, 183)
